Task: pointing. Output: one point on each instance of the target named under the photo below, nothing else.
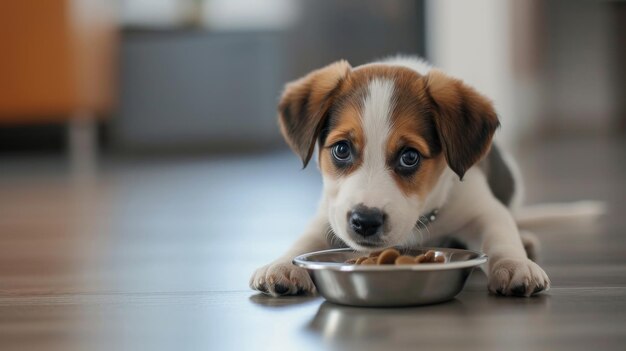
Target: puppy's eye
(409, 158)
(341, 151)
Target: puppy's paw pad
(517, 277)
(279, 279)
(281, 289)
(519, 290)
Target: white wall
(470, 40)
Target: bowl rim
(301, 261)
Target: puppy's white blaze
(371, 179)
(376, 119)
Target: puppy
(406, 155)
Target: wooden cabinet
(57, 59)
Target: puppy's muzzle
(366, 221)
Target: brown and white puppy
(396, 140)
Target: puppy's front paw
(517, 277)
(282, 278)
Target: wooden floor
(156, 254)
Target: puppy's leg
(281, 277)
(494, 231)
(511, 272)
(531, 243)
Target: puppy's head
(386, 137)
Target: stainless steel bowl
(389, 285)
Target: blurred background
(139, 143)
(203, 76)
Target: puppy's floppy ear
(304, 105)
(465, 120)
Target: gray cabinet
(198, 89)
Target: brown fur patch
(346, 126)
(304, 106)
(425, 179)
(465, 119)
(409, 131)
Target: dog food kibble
(388, 256)
(375, 254)
(368, 260)
(404, 260)
(360, 260)
(393, 256)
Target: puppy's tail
(572, 215)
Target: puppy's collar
(426, 219)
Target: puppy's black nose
(366, 221)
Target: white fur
(412, 62)
(415, 63)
